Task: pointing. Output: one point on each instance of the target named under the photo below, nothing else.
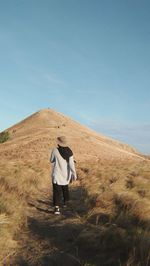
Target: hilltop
(36, 135)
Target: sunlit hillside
(108, 220)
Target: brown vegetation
(118, 213)
(110, 206)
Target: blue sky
(89, 59)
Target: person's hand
(72, 178)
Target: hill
(108, 219)
(36, 135)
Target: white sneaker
(57, 210)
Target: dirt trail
(50, 239)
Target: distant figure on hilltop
(63, 172)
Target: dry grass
(115, 215)
(19, 182)
(116, 189)
(118, 218)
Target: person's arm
(52, 157)
(72, 167)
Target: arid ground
(107, 221)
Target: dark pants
(60, 192)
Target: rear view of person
(63, 170)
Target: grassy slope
(19, 182)
(118, 219)
(114, 209)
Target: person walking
(63, 172)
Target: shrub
(4, 136)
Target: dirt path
(50, 239)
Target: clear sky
(89, 59)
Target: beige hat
(62, 141)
